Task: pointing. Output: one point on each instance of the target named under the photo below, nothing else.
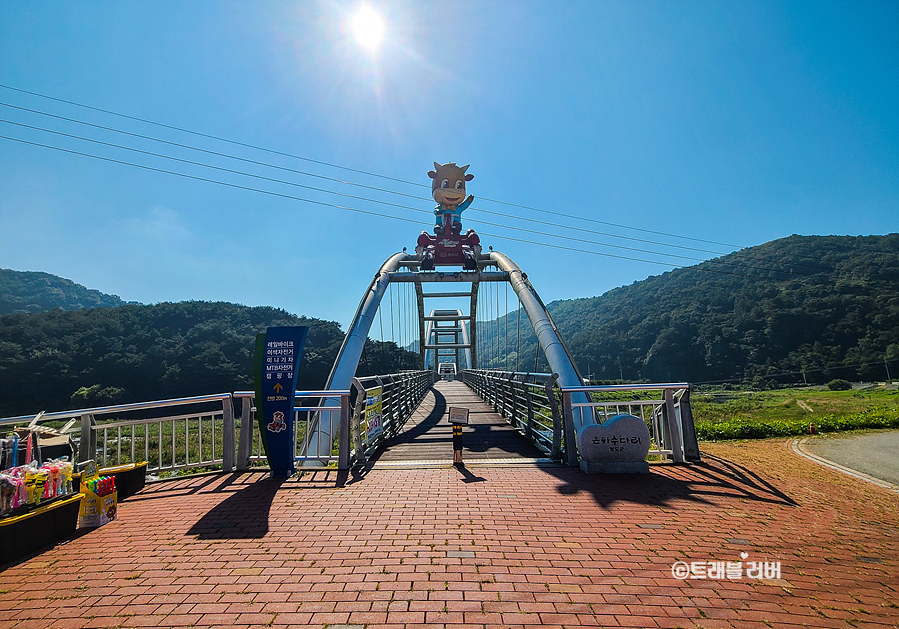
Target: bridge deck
(427, 436)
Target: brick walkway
(499, 546)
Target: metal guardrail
(528, 401)
(669, 419)
(310, 408)
(550, 416)
(203, 432)
(200, 433)
(400, 395)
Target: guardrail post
(557, 418)
(529, 421)
(343, 460)
(677, 451)
(228, 436)
(509, 399)
(87, 447)
(570, 439)
(691, 445)
(245, 441)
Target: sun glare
(368, 27)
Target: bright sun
(368, 27)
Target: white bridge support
(548, 337)
(344, 369)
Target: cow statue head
(448, 185)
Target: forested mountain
(825, 306)
(31, 292)
(75, 359)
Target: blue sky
(732, 122)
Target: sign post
(278, 354)
(458, 417)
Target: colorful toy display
(100, 498)
(30, 484)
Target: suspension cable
(506, 326)
(518, 353)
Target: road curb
(797, 446)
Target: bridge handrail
(93, 438)
(510, 394)
(312, 405)
(670, 419)
(528, 401)
(208, 438)
(401, 395)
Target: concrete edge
(797, 444)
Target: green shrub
(839, 385)
(746, 428)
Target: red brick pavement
(502, 546)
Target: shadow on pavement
(242, 515)
(698, 482)
(467, 476)
(417, 431)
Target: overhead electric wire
(377, 214)
(223, 183)
(387, 191)
(349, 169)
(334, 179)
(212, 137)
(414, 209)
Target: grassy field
(785, 412)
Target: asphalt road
(876, 454)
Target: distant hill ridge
(802, 307)
(35, 291)
(808, 307)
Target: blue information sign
(277, 358)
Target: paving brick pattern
(515, 546)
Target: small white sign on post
(458, 415)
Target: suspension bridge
(466, 356)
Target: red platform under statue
(449, 248)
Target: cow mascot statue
(448, 189)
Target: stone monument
(618, 446)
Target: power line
(291, 183)
(355, 170)
(334, 179)
(475, 209)
(215, 181)
(212, 137)
(359, 211)
(343, 207)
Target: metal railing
(311, 408)
(548, 415)
(669, 419)
(199, 433)
(400, 395)
(527, 401)
(203, 432)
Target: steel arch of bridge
(404, 267)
